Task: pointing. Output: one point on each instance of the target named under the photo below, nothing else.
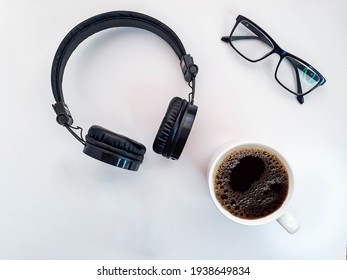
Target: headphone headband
(101, 22)
(114, 148)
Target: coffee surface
(251, 183)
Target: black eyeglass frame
(281, 52)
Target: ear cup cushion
(167, 124)
(115, 143)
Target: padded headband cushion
(115, 143)
(167, 124)
(98, 23)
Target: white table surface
(58, 203)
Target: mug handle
(288, 222)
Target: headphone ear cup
(175, 128)
(113, 148)
(161, 140)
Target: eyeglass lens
(250, 42)
(296, 76)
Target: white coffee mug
(281, 215)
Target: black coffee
(251, 183)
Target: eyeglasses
(254, 44)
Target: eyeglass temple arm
(299, 97)
(236, 38)
(260, 36)
(296, 65)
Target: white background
(58, 203)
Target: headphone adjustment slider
(189, 69)
(63, 114)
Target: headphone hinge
(63, 114)
(189, 69)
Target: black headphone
(105, 145)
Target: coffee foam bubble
(263, 197)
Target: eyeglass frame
(282, 53)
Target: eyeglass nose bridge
(283, 53)
(277, 49)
